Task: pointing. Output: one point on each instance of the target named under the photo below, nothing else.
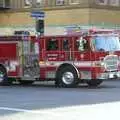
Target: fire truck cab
(90, 57)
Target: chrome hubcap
(68, 78)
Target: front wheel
(67, 77)
(94, 83)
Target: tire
(67, 77)
(27, 82)
(3, 76)
(94, 83)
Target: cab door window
(66, 45)
(52, 44)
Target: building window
(39, 2)
(47, 2)
(114, 2)
(60, 2)
(72, 2)
(102, 2)
(28, 2)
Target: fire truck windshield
(107, 43)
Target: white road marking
(26, 111)
(16, 110)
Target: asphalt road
(45, 102)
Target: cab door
(66, 49)
(50, 57)
(52, 49)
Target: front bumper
(109, 75)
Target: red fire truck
(91, 57)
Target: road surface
(45, 102)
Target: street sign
(38, 14)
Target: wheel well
(65, 65)
(1, 65)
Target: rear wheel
(94, 83)
(67, 77)
(3, 76)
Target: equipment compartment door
(30, 59)
(9, 55)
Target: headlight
(98, 64)
(102, 64)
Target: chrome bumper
(109, 75)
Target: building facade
(60, 13)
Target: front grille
(111, 62)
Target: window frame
(27, 3)
(105, 2)
(73, 2)
(59, 2)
